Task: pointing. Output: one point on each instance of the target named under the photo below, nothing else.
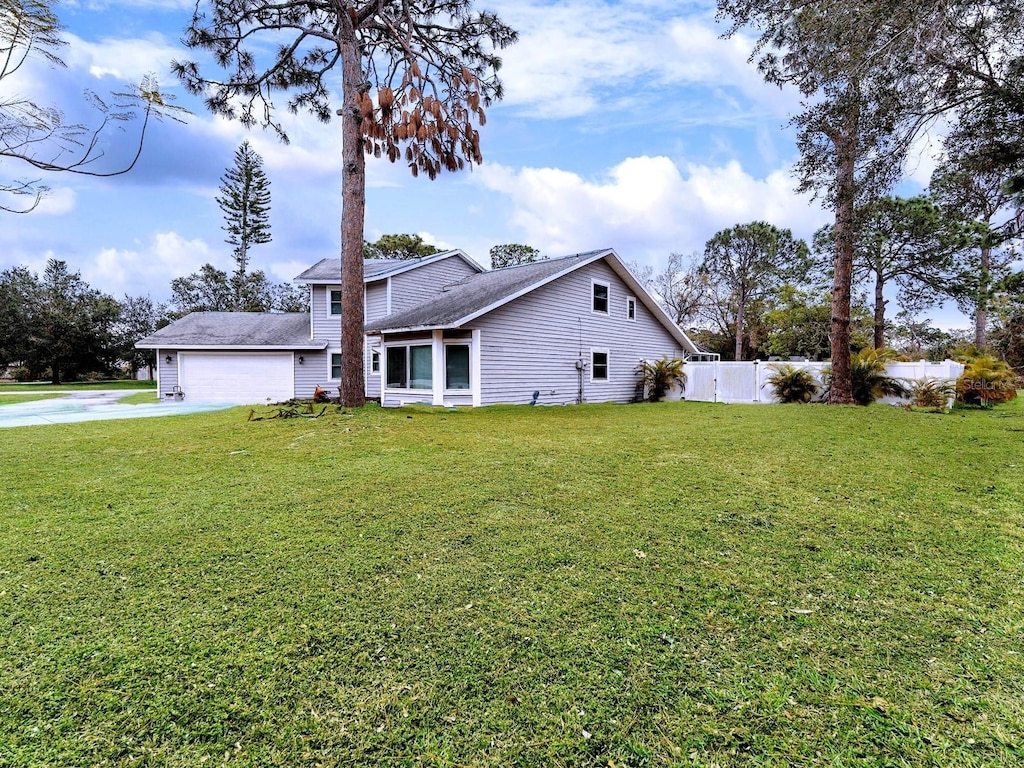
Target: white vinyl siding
(325, 325)
(166, 373)
(310, 374)
(412, 288)
(534, 342)
(376, 300)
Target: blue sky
(626, 124)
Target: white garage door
(236, 377)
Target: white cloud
(167, 255)
(435, 241)
(101, 5)
(286, 271)
(588, 56)
(123, 59)
(58, 202)
(645, 207)
(924, 155)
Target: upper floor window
(600, 303)
(335, 301)
(630, 308)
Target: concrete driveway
(94, 405)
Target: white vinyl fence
(747, 382)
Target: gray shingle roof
(477, 292)
(329, 270)
(288, 330)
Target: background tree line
(757, 292)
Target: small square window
(600, 298)
(335, 301)
(336, 367)
(599, 366)
(631, 308)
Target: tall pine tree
(245, 200)
(415, 78)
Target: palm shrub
(657, 378)
(792, 384)
(986, 381)
(870, 380)
(933, 394)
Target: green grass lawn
(672, 584)
(140, 398)
(6, 399)
(77, 386)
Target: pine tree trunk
(981, 307)
(842, 381)
(740, 309)
(353, 206)
(879, 312)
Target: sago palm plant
(933, 394)
(657, 378)
(792, 384)
(986, 381)
(870, 381)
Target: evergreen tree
(399, 247)
(245, 200)
(56, 323)
(415, 78)
(905, 242)
(748, 262)
(512, 254)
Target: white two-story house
(440, 330)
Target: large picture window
(410, 367)
(456, 366)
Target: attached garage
(242, 358)
(236, 377)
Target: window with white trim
(599, 365)
(334, 301)
(631, 308)
(336, 367)
(375, 362)
(410, 367)
(600, 293)
(456, 366)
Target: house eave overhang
(414, 329)
(313, 345)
